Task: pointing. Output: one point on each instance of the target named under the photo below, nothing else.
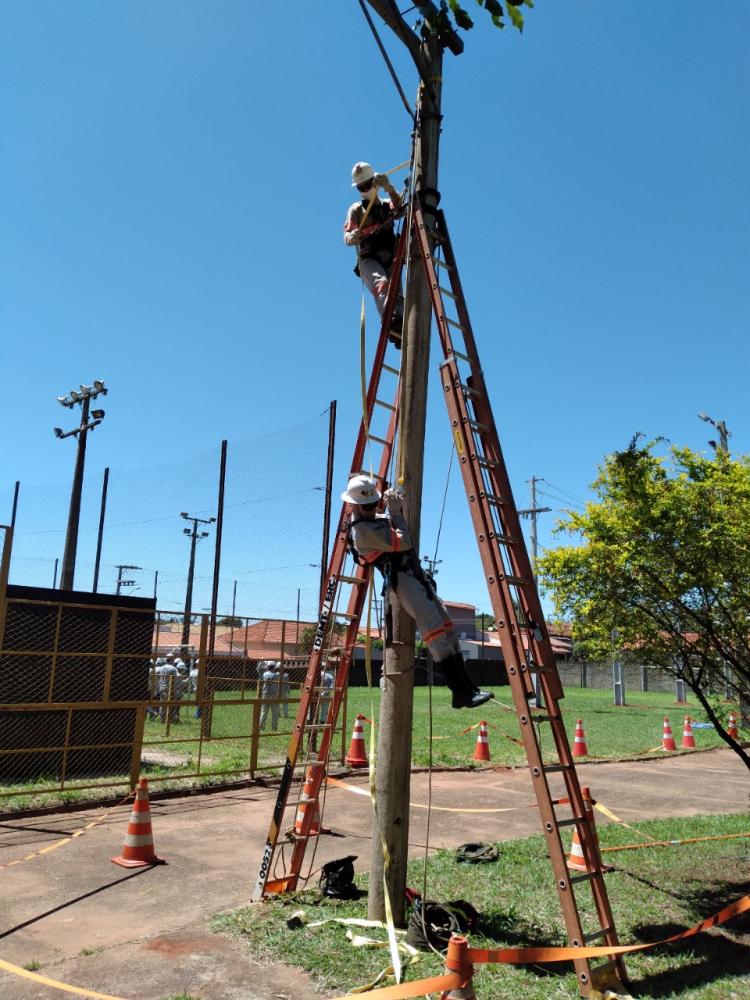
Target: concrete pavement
(70, 909)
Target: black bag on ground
(476, 854)
(337, 879)
(435, 929)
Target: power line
(564, 492)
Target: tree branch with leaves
(662, 554)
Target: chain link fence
(93, 696)
(97, 688)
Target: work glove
(383, 181)
(351, 239)
(394, 500)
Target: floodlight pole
(67, 573)
(194, 536)
(391, 826)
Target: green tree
(453, 13)
(662, 555)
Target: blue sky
(174, 178)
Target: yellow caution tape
(54, 984)
(420, 805)
(66, 840)
(616, 819)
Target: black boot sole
(472, 700)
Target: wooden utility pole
(393, 770)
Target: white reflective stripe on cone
(140, 817)
(138, 840)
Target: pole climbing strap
(526, 956)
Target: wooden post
(396, 706)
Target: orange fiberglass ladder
(344, 594)
(515, 603)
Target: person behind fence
(269, 693)
(326, 684)
(162, 674)
(284, 688)
(176, 687)
(382, 539)
(151, 710)
(369, 227)
(193, 680)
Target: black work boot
(465, 694)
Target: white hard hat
(361, 490)
(362, 172)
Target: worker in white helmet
(383, 540)
(369, 227)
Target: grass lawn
(612, 733)
(168, 760)
(654, 893)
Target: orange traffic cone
(357, 756)
(667, 739)
(138, 851)
(732, 727)
(589, 803)
(308, 801)
(688, 740)
(482, 749)
(579, 743)
(576, 859)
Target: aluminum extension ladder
(515, 603)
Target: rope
(445, 497)
(398, 454)
(388, 62)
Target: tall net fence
(272, 529)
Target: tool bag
(337, 879)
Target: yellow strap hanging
(387, 861)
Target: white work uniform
(269, 691)
(326, 682)
(375, 255)
(389, 533)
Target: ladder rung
(458, 354)
(571, 821)
(541, 717)
(386, 406)
(583, 877)
(305, 798)
(372, 437)
(594, 935)
(446, 291)
(317, 726)
(345, 614)
(552, 768)
(434, 234)
(479, 428)
(487, 463)
(490, 497)
(452, 322)
(391, 369)
(505, 539)
(351, 579)
(441, 263)
(313, 763)
(468, 391)
(516, 581)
